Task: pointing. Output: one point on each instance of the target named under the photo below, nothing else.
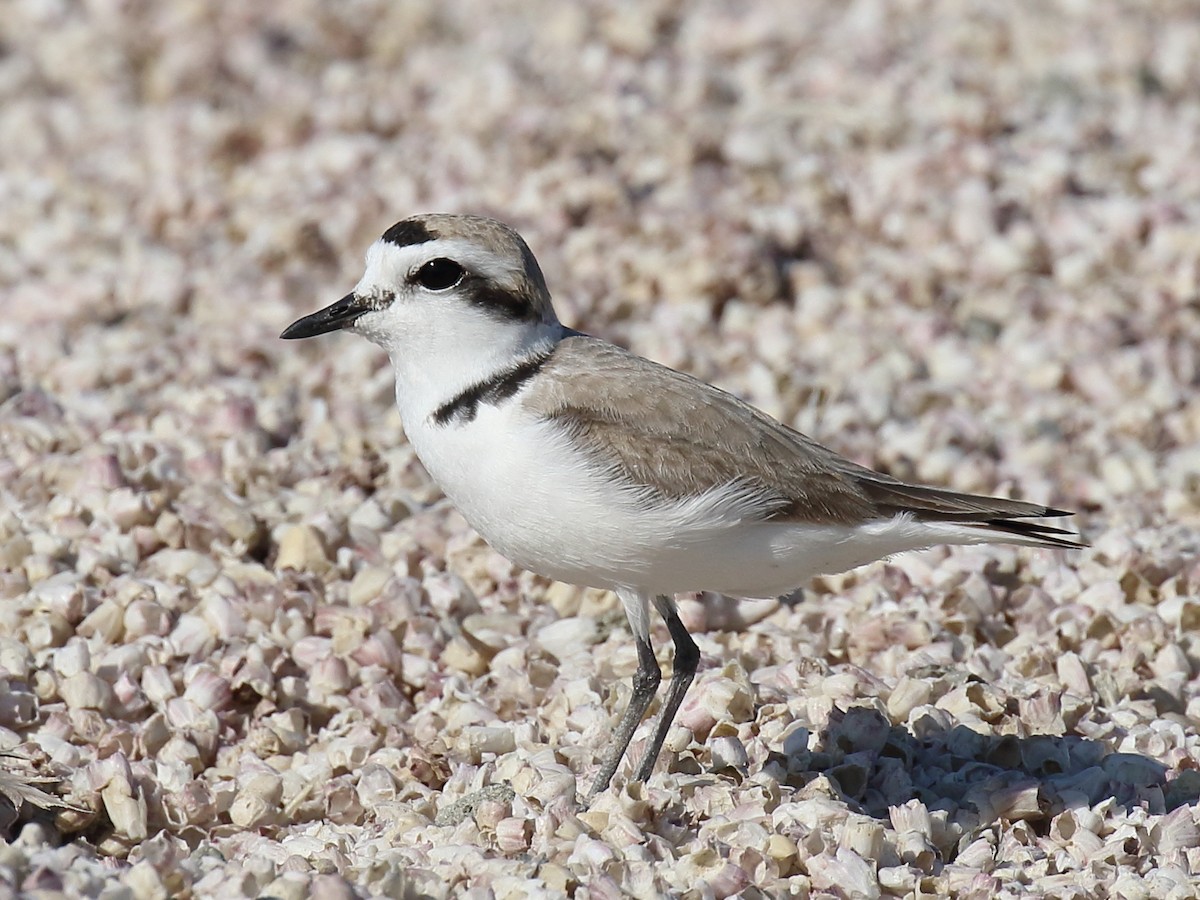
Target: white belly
(536, 500)
(549, 509)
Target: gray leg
(687, 660)
(645, 682)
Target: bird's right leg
(645, 683)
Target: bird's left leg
(687, 660)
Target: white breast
(537, 500)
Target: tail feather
(1034, 533)
(990, 515)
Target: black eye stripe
(501, 303)
(439, 274)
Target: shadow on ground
(876, 765)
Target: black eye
(439, 274)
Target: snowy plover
(585, 463)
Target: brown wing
(681, 437)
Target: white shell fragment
(728, 753)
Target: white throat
(435, 364)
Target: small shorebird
(585, 463)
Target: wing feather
(679, 437)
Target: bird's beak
(332, 318)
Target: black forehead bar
(408, 232)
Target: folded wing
(679, 437)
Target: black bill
(331, 318)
